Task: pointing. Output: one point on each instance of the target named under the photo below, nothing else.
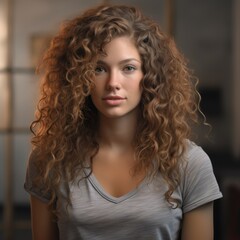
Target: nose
(113, 82)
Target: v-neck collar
(101, 191)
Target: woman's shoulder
(198, 183)
(33, 181)
(33, 159)
(195, 160)
(35, 156)
(194, 154)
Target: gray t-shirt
(143, 213)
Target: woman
(111, 153)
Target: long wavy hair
(66, 119)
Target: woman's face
(118, 74)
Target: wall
(204, 33)
(236, 79)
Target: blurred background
(208, 34)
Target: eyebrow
(122, 61)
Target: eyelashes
(126, 69)
(129, 68)
(99, 69)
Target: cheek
(135, 87)
(97, 89)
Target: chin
(113, 115)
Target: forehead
(120, 47)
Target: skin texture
(118, 74)
(117, 124)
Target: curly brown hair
(66, 119)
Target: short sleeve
(29, 185)
(199, 185)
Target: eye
(99, 69)
(129, 68)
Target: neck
(117, 133)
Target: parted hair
(65, 128)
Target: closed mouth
(113, 98)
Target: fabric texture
(143, 213)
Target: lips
(113, 101)
(113, 98)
